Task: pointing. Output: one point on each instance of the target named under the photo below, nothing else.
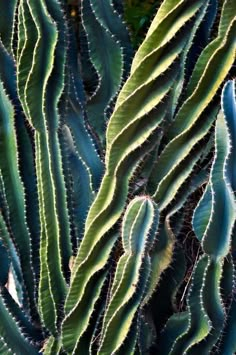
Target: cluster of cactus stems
(110, 162)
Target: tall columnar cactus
(202, 326)
(106, 156)
(132, 275)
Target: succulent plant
(117, 179)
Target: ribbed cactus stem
(103, 164)
(128, 289)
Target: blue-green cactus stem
(80, 180)
(107, 60)
(198, 323)
(195, 117)
(12, 334)
(41, 59)
(128, 129)
(127, 292)
(15, 192)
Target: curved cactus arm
(162, 47)
(11, 333)
(189, 126)
(45, 300)
(168, 15)
(138, 227)
(220, 196)
(28, 175)
(112, 21)
(40, 93)
(50, 253)
(226, 19)
(221, 54)
(219, 222)
(53, 94)
(71, 340)
(7, 14)
(202, 36)
(227, 344)
(14, 192)
(228, 104)
(107, 60)
(218, 190)
(123, 318)
(213, 307)
(137, 223)
(199, 324)
(167, 43)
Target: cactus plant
(117, 179)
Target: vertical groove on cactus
(25, 155)
(39, 81)
(15, 193)
(53, 93)
(107, 59)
